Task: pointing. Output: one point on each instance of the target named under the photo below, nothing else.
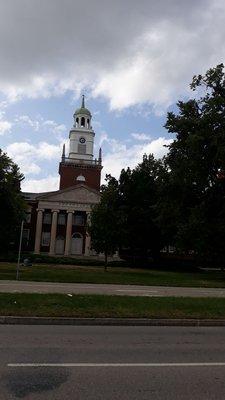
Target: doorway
(77, 244)
(59, 245)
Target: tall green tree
(106, 223)
(126, 217)
(193, 203)
(139, 191)
(12, 205)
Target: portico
(62, 218)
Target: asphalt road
(127, 290)
(112, 363)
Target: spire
(63, 153)
(100, 156)
(83, 104)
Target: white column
(88, 238)
(68, 232)
(38, 231)
(53, 232)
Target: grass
(61, 305)
(114, 275)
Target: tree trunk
(106, 261)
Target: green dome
(82, 110)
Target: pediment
(75, 194)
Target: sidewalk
(10, 320)
(108, 289)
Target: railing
(81, 162)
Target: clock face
(82, 140)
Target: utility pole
(19, 252)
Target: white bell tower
(80, 167)
(81, 135)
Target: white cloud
(140, 136)
(102, 138)
(53, 127)
(46, 151)
(126, 51)
(42, 150)
(5, 126)
(119, 155)
(40, 125)
(157, 147)
(47, 184)
(28, 156)
(29, 168)
(26, 120)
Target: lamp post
(19, 252)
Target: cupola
(82, 117)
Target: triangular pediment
(74, 194)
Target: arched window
(88, 123)
(81, 178)
(83, 122)
(77, 122)
(77, 244)
(77, 235)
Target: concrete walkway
(119, 290)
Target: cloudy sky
(132, 59)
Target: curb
(109, 321)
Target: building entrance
(59, 245)
(77, 244)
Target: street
(108, 289)
(110, 363)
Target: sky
(132, 60)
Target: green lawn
(60, 305)
(115, 275)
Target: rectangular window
(47, 218)
(82, 148)
(45, 241)
(25, 237)
(28, 217)
(62, 219)
(78, 219)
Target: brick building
(56, 221)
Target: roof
(83, 111)
(68, 189)
(33, 196)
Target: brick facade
(69, 173)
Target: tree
(12, 205)
(105, 225)
(139, 190)
(126, 217)
(194, 194)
